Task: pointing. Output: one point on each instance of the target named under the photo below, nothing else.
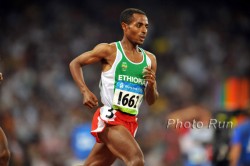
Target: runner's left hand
(149, 76)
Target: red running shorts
(106, 115)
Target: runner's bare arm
(4, 150)
(234, 154)
(151, 93)
(100, 53)
(1, 77)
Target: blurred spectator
(4, 149)
(240, 144)
(194, 134)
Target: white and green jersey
(122, 87)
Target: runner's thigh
(120, 142)
(100, 156)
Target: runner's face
(137, 30)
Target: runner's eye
(138, 25)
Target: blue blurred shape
(82, 141)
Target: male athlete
(4, 151)
(240, 143)
(128, 74)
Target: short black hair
(127, 14)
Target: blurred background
(203, 54)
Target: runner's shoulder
(150, 55)
(106, 48)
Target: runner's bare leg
(122, 144)
(100, 156)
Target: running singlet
(122, 87)
(241, 135)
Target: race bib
(107, 113)
(128, 97)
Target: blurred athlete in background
(4, 151)
(240, 143)
(128, 74)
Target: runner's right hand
(89, 99)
